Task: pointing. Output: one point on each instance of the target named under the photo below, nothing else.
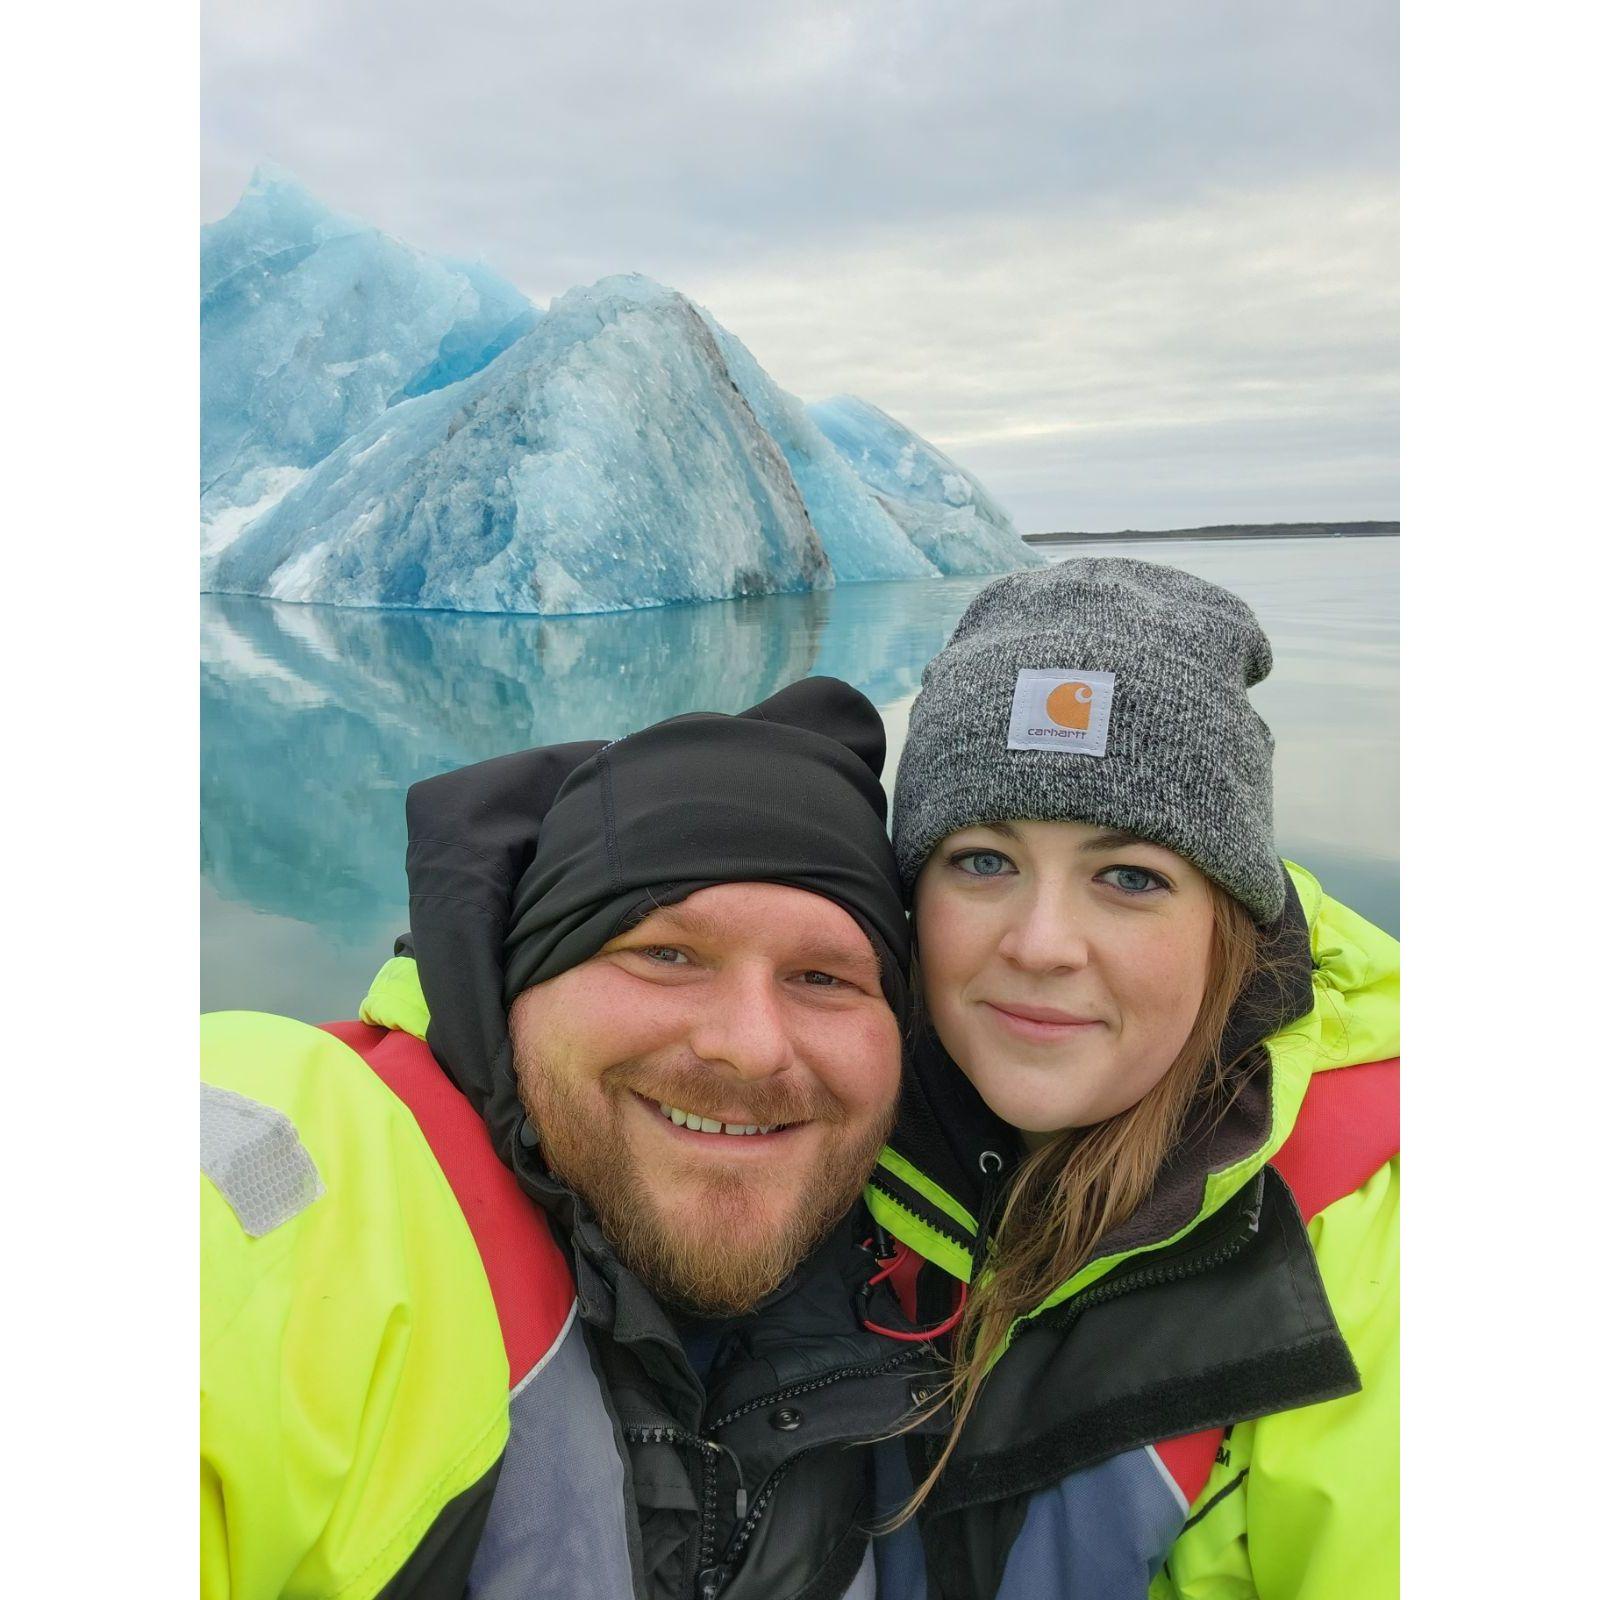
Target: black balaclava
(526, 866)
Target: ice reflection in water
(315, 720)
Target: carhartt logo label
(1068, 705)
(1055, 709)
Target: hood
(1330, 999)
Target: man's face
(748, 1006)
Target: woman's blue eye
(981, 863)
(1133, 880)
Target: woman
(1156, 1130)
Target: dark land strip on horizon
(1232, 530)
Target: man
(600, 1314)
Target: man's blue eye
(665, 954)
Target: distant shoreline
(1232, 530)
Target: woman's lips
(1038, 1022)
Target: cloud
(1037, 230)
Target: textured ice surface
(311, 325)
(380, 427)
(950, 517)
(604, 461)
(862, 540)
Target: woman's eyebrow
(1004, 829)
(1112, 839)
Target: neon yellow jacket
(391, 1377)
(1181, 1418)
(353, 1375)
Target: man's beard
(724, 1255)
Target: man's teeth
(687, 1119)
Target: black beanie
(786, 792)
(526, 866)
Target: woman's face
(1063, 965)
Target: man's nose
(1048, 933)
(742, 1025)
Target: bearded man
(577, 1297)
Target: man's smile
(730, 1136)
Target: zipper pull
(990, 1164)
(708, 1582)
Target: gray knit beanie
(1106, 691)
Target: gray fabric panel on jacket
(864, 1586)
(897, 1557)
(1104, 1532)
(253, 1155)
(557, 1527)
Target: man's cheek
(876, 1080)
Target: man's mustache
(697, 1086)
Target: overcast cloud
(1134, 264)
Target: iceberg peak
(603, 462)
(311, 325)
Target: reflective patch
(254, 1157)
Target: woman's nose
(1045, 936)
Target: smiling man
(730, 1058)
(550, 1277)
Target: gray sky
(1134, 264)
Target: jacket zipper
(746, 1529)
(708, 1577)
(870, 1370)
(1059, 1319)
(908, 1199)
(711, 1575)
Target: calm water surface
(315, 721)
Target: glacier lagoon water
(316, 719)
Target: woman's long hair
(1069, 1194)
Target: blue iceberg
(863, 541)
(312, 324)
(380, 427)
(605, 461)
(950, 517)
